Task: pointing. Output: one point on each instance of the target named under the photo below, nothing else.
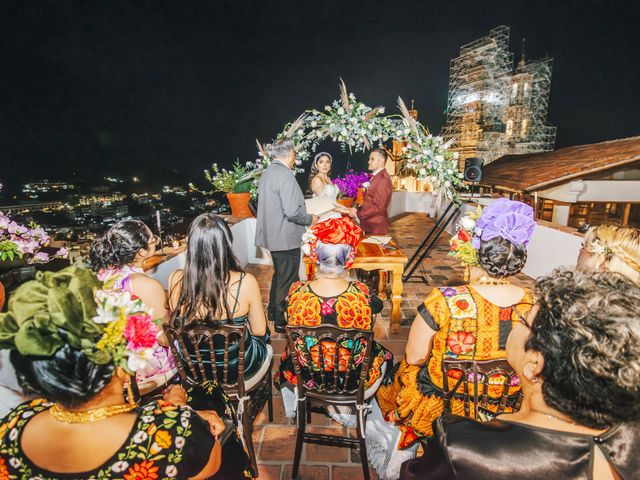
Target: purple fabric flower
(448, 292)
(505, 218)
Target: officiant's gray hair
(281, 148)
(332, 257)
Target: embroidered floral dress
(468, 327)
(166, 442)
(352, 308)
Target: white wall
(550, 248)
(595, 191)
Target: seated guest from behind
(118, 257)
(578, 358)
(469, 322)
(85, 422)
(213, 288)
(612, 248)
(331, 299)
(373, 216)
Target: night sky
(161, 89)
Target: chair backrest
(337, 360)
(193, 346)
(478, 373)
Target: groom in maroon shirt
(373, 215)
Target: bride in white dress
(321, 184)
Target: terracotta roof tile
(534, 171)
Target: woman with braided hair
(612, 248)
(76, 348)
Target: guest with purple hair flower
(468, 322)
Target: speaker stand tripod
(428, 243)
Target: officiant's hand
(314, 219)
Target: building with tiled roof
(594, 183)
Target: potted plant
(238, 192)
(351, 186)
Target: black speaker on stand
(472, 174)
(473, 170)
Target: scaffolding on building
(492, 110)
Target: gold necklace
(484, 280)
(89, 416)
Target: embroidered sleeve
(434, 310)
(294, 286)
(427, 317)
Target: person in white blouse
(321, 184)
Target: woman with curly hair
(118, 257)
(468, 322)
(612, 248)
(332, 298)
(577, 354)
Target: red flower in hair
(464, 235)
(338, 231)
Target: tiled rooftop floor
(275, 442)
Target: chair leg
(302, 417)
(247, 430)
(363, 447)
(270, 399)
(308, 408)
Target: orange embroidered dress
(350, 309)
(468, 327)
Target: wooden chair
(333, 385)
(478, 373)
(248, 397)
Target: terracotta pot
(360, 196)
(346, 202)
(2, 295)
(239, 203)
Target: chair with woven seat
(478, 374)
(193, 346)
(332, 368)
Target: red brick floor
(274, 442)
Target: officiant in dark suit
(280, 223)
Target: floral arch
(358, 127)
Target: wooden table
(373, 256)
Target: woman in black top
(578, 358)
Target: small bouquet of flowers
(18, 241)
(351, 182)
(130, 334)
(460, 245)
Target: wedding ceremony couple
(282, 214)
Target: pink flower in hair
(140, 332)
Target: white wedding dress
(330, 191)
